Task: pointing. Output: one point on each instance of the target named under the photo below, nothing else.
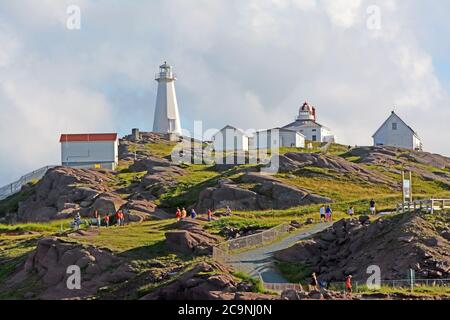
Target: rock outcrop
(62, 192)
(432, 167)
(206, 282)
(333, 165)
(191, 238)
(394, 244)
(50, 262)
(265, 193)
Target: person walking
(183, 214)
(193, 214)
(348, 284)
(107, 220)
(372, 207)
(328, 214)
(314, 282)
(209, 215)
(351, 211)
(178, 214)
(99, 220)
(118, 217)
(322, 214)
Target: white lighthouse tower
(167, 117)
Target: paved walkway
(260, 261)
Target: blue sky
(247, 63)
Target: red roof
(88, 137)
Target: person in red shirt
(348, 284)
(118, 217)
(209, 215)
(178, 214)
(107, 220)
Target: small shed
(90, 150)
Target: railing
(399, 283)
(362, 286)
(221, 252)
(16, 186)
(428, 205)
(280, 287)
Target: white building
(231, 138)
(95, 150)
(306, 124)
(395, 132)
(167, 117)
(277, 137)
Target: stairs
(16, 186)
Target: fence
(221, 252)
(428, 205)
(362, 286)
(16, 186)
(399, 283)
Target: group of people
(318, 285)
(119, 219)
(326, 214)
(182, 214)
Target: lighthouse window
(394, 126)
(314, 130)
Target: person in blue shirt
(193, 214)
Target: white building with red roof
(90, 150)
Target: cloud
(250, 64)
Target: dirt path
(259, 262)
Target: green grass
(44, 227)
(145, 238)
(294, 272)
(11, 204)
(160, 149)
(419, 291)
(257, 284)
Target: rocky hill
(153, 257)
(418, 241)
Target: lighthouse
(167, 117)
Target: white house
(395, 132)
(278, 137)
(231, 138)
(306, 124)
(91, 150)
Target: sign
(407, 189)
(97, 166)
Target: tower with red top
(307, 112)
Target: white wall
(402, 137)
(265, 139)
(230, 139)
(86, 154)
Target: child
(351, 211)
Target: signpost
(407, 190)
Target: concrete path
(259, 262)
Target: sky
(248, 63)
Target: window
(314, 138)
(314, 130)
(394, 126)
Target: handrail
(16, 186)
(430, 205)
